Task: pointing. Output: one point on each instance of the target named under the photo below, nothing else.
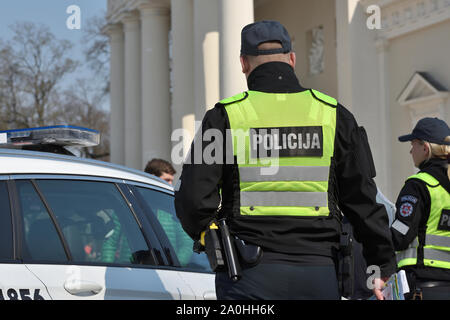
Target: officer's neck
(274, 77)
(432, 162)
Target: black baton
(234, 269)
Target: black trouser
(435, 293)
(269, 281)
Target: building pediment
(423, 97)
(422, 88)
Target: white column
(117, 124)
(384, 172)
(183, 110)
(360, 86)
(235, 14)
(156, 124)
(344, 12)
(206, 56)
(133, 116)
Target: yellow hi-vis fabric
(436, 249)
(282, 185)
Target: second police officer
(421, 230)
(322, 167)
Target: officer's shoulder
(324, 98)
(414, 186)
(423, 178)
(236, 98)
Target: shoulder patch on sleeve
(324, 98)
(406, 209)
(239, 97)
(400, 227)
(409, 198)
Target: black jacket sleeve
(357, 193)
(413, 207)
(197, 199)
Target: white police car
(73, 228)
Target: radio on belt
(50, 139)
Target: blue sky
(53, 14)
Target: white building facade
(171, 60)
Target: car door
(83, 240)
(194, 268)
(17, 282)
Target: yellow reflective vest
(436, 248)
(283, 144)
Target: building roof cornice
(400, 17)
(117, 9)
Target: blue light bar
(62, 135)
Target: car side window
(6, 236)
(162, 206)
(41, 240)
(97, 223)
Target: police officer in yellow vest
(292, 159)
(421, 231)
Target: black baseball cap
(254, 34)
(432, 130)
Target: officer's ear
(292, 59)
(427, 149)
(245, 65)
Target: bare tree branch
(32, 66)
(97, 52)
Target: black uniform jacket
(413, 210)
(291, 239)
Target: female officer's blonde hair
(439, 151)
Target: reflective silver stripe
(440, 241)
(440, 255)
(407, 254)
(284, 199)
(291, 173)
(429, 254)
(410, 252)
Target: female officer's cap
(432, 130)
(254, 34)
